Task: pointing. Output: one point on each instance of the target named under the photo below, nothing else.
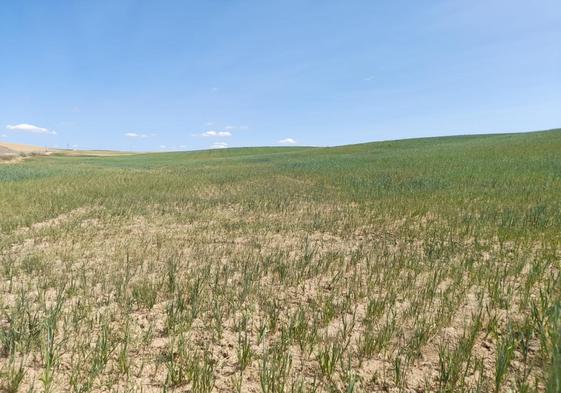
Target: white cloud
(3, 136)
(213, 133)
(287, 141)
(29, 128)
(137, 135)
(219, 145)
(182, 146)
(162, 146)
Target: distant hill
(16, 148)
(10, 151)
(5, 150)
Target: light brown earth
(14, 152)
(117, 248)
(10, 148)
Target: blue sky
(175, 75)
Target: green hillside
(423, 264)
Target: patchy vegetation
(419, 265)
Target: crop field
(405, 266)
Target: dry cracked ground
(228, 300)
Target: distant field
(14, 152)
(20, 148)
(417, 265)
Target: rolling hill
(416, 265)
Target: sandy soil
(7, 148)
